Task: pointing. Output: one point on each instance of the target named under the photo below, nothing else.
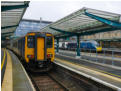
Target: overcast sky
(55, 10)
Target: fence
(105, 56)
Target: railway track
(44, 82)
(57, 81)
(61, 79)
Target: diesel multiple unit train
(37, 50)
(85, 45)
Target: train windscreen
(30, 41)
(97, 45)
(49, 42)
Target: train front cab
(98, 47)
(39, 51)
(91, 45)
(94, 46)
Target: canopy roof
(85, 21)
(11, 14)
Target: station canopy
(11, 15)
(85, 21)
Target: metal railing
(105, 56)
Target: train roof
(29, 33)
(39, 32)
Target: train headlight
(30, 56)
(49, 55)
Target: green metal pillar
(78, 46)
(57, 46)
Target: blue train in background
(84, 45)
(93, 45)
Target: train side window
(30, 41)
(49, 42)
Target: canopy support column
(57, 46)
(78, 47)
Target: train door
(40, 49)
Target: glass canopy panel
(79, 22)
(11, 14)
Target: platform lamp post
(40, 22)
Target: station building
(29, 25)
(111, 39)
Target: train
(63, 45)
(84, 45)
(37, 50)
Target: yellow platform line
(88, 69)
(3, 61)
(97, 70)
(7, 84)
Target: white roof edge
(120, 19)
(102, 11)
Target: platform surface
(18, 79)
(92, 73)
(2, 54)
(114, 71)
(3, 63)
(113, 49)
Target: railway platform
(107, 76)
(15, 77)
(112, 49)
(3, 63)
(106, 60)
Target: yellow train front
(37, 49)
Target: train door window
(49, 42)
(97, 45)
(30, 41)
